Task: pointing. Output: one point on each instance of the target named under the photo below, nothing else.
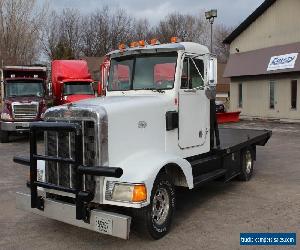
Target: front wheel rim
(248, 161)
(161, 206)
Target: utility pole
(210, 16)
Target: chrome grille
(62, 144)
(25, 111)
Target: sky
(230, 12)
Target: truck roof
(70, 69)
(189, 47)
(25, 68)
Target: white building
(264, 63)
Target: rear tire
(155, 220)
(247, 164)
(4, 136)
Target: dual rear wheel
(247, 163)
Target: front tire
(4, 136)
(247, 165)
(155, 220)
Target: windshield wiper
(154, 90)
(30, 95)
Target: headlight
(125, 192)
(5, 116)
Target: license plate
(104, 225)
(25, 124)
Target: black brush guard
(81, 197)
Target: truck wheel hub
(161, 206)
(248, 162)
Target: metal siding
(278, 25)
(256, 99)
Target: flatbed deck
(234, 139)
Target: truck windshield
(24, 88)
(77, 88)
(143, 72)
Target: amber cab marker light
(122, 46)
(142, 43)
(175, 39)
(154, 41)
(134, 44)
(139, 193)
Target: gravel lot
(210, 217)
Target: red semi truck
(23, 93)
(71, 81)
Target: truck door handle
(190, 90)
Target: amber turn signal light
(139, 193)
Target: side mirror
(213, 71)
(100, 89)
(210, 88)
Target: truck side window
(192, 73)
(121, 75)
(196, 73)
(185, 74)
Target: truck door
(193, 105)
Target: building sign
(282, 62)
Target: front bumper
(14, 126)
(119, 225)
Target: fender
(143, 167)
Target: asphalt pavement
(210, 217)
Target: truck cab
(163, 82)
(23, 93)
(71, 81)
(154, 130)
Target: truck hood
(129, 124)
(24, 99)
(77, 97)
(124, 104)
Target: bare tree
(95, 34)
(120, 29)
(104, 30)
(51, 35)
(69, 34)
(186, 27)
(71, 30)
(21, 23)
(142, 30)
(221, 49)
(62, 35)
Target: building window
(294, 94)
(272, 95)
(240, 95)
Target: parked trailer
(116, 158)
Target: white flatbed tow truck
(114, 159)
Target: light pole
(210, 16)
